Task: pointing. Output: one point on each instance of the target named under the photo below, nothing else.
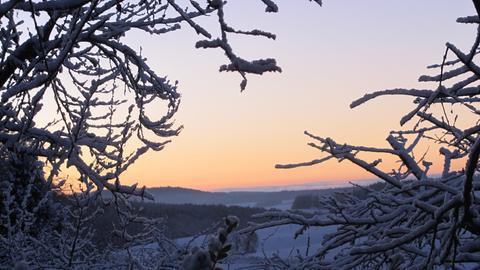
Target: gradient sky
(330, 56)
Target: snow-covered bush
(417, 219)
(25, 204)
(23, 192)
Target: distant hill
(177, 195)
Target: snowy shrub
(23, 192)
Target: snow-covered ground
(284, 205)
(273, 241)
(246, 204)
(279, 241)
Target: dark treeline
(178, 220)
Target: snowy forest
(76, 97)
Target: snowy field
(277, 241)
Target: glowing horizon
(329, 56)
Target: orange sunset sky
(330, 56)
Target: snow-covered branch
(416, 218)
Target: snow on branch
(70, 55)
(413, 218)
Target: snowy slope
(273, 241)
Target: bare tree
(417, 219)
(101, 93)
(74, 94)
